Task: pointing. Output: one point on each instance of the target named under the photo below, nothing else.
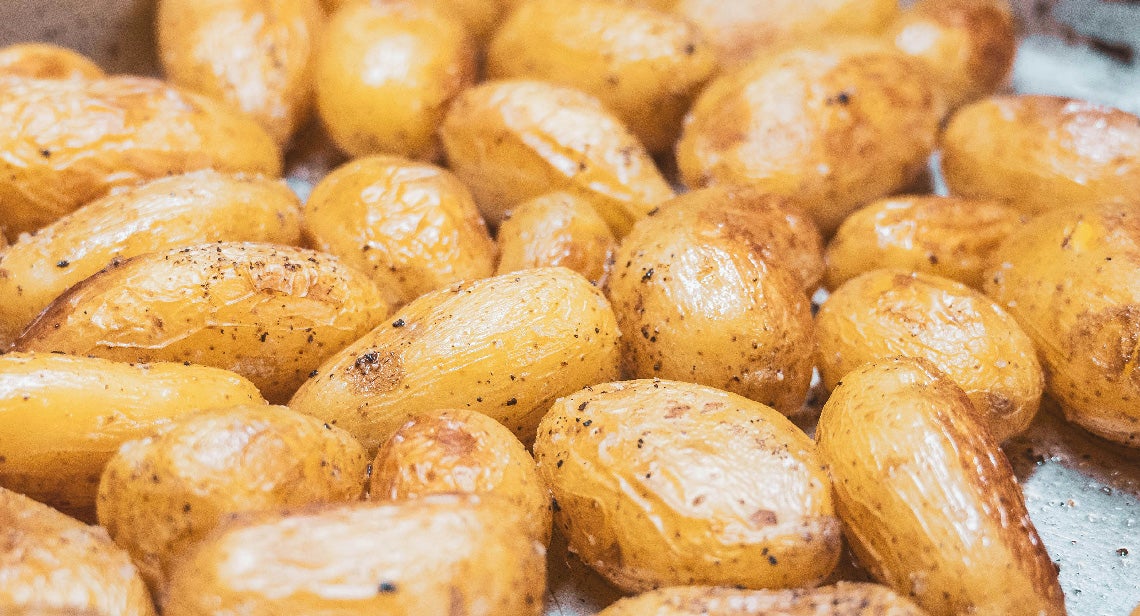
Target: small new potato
(929, 503)
(46, 61)
(479, 17)
(558, 229)
(162, 494)
(842, 599)
(660, 483)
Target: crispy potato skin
(385, 75)
(646, 66)
(256, 55)
(173, 212)
(944, 236)
(511, 141)
(162, 494)
(505, 346)
(835, 127)
(270, 313)
(901, 442)
(557, 229)
(46, 61)
(843, 599)
(662, 483)
(70, 142)
(410, 225)
(1070, 277)
(63, 417)
(368, 558)
(56, 564)
(1043, 152)
(465, 452)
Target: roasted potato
(929, 503)
(1070, 278)
(479, 17)
(171, 212)
(256, 55)
(410, 225)
(62, 417)
(557, 229)
(843, 599)
(161, 494)
(270, 313)
(834, 127)
(54, 564)
(511, 141)
(505, 346)
(444, 554)
(660, 483)
(646, 66)
(70, 142)
(46, 61)
(1043, 152)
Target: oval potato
(557, 229)
(46, 61)
(842, 599)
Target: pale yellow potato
(270, 313)
(63, 417)
(505, 346)
(46, 61)
(411, 226)
(929, 503)
(171, 212)
(557, 229)
(842, 599)
(511, 141)
(661, 483)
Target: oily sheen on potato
(558, 229)
(842, 599)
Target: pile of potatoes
(560, 280)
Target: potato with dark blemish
(558, 229)
(270, 313)
(842, 599)
(929, 503)
(661, 483)
(46, 61)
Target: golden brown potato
(1043, 152)
(444, 554)
(557, 229)
(162, 494)
(385, 74)
(480, 17)
(646, 66)
(62, 417)
(410, 225)
(70, 142)
(57, 565)
(979, 346)
(835, 127)
(929, 503)
(662, 483)
(944, 236)
(172, 212)
(1071, 279)
(46, 61)
(256, 55)
(464, 452)
(700, 297)
(511, 141)
(843, 599)
(505, 346)
(270, 313)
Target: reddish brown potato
(843, 599)
(46, 61)
(557, 229)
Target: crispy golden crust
(842, 599)
(46, 61)
(557, 229)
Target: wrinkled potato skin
(700, 299)
(662, 483)
(901, 442)
(54, 564)
(646, 66)
(270, 313)
(1043, 152)
(843, 599)
(505, 346)
(406, 223)
(46, 61)
(256, 55)
(943, 236)
(385, 75)
(557, 229)
(63, 417)
(71, 142)
(368, 558)
(511, 141)
(162, 494)
(1071, 278)
(173, 212)
(834, 127)
(464, 452)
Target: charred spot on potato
(376, 371)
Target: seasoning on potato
(929, 503)
(46, 61)
(842, 599)
(557, 229)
